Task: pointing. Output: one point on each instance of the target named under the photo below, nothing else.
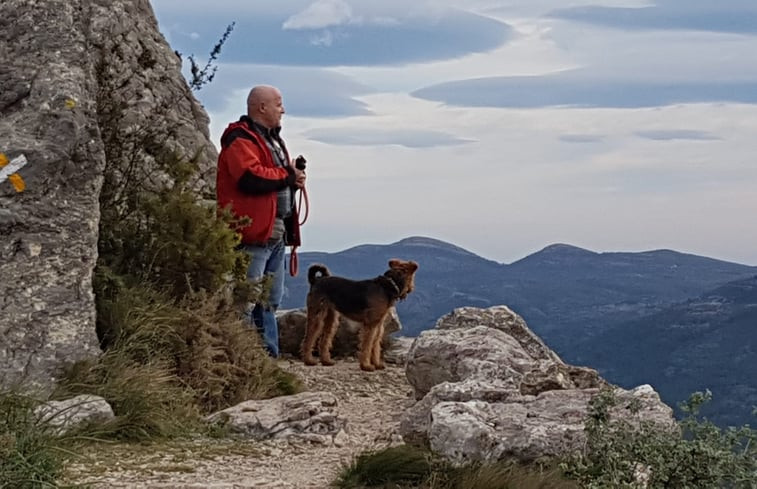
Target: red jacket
(248, 180)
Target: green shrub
(169, 238)
(702, 455)
(225, 363)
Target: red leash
(293, 261)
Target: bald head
(261, 94)
(265, 106)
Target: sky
(502, 126)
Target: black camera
(300, 162)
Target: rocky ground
(371, 402)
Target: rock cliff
(62, 64)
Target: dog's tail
(317, 271)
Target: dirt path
(371, 402)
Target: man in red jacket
(257, 180)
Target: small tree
(205, 75)
(701, 455)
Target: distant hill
(566, 289)
(709, 342)
(572, 297)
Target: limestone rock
(452, 355)
(416, 421)
(308, 416)
(54, 59)
(528, 427)
(292, 330)
(68, 414)
(397, 350)
(501, 318)
(490, 389)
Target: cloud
(673, 134)
(326, 38)
(321, 14)
(410, 138)
(579, 89)
(324, 15)
(582, 138)
(735, 16)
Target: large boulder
(292, 330)
(488, 388)
(62, 62)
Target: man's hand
(300, 177)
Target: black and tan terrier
(364, 301)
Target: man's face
(271, 110)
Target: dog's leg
(331, 324)
(366, 346)
(378, 337)
(312, 332)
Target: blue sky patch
(673, 134)
(572, 90)
(734, 16)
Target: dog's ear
(407, 266)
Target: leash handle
(303, 197)
(294, 264)
(293, 259)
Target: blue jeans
(267, 260)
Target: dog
(364, 301)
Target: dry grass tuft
(406, 467)
(170, 363)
